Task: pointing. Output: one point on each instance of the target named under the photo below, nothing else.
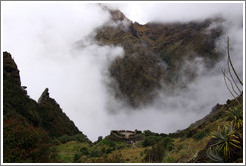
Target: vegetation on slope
(31, 129)
(155, 53)
(198, 143)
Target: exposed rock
(45, 96)
(54, 120)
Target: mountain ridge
(30, 128)
(155, 54)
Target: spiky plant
(226, 141)
(214, 155)
(236, 113)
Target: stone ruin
(123, 135)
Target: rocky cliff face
(28, 126)
(54, 120)
(156, 52)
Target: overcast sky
(41, 37)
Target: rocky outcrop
(44, 97)
(28, 126)
(54, 120)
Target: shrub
(103, 150)
(151, 140)
(109, 150)
(95, 153)
(84, 151)
(198, 136)
(77, 156)
(111, 144)
(158, 151)
(227, 142)
(64, 139)
(79, 138)
(236, 114)
(156, 154)
(100, 138)
(167, 143)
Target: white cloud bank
(41, 36)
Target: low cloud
(53, 47)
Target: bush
(200, 135)
(84, 151)
(103, 150)
(138, 131)
(64, 139)
(148, 133)
(79, 138)
(167, 143)
(95, 153)
(109, 150)
(100, 138)
(151, 140)
(156, 154)
(107, 142)
(111, 144)
(158, 151)
(77, 156)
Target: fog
(43, 39)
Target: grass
(131, 154)
(185, 148)
(66, 152)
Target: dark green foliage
(107, 142)
(77, 156)
(82, 151)
(151, 140)
(155, 155)
(158, 151)
(78, 137)
(103, 150)
(99, 138)
(95, 153)
(138, 131)
(198, 136)
(148, 133)
(167, 143)
(65, 138)
(109, 150)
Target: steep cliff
(29, 128)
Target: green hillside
(218, 137)
(30, 129)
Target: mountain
(30, 128)
(155, 54)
